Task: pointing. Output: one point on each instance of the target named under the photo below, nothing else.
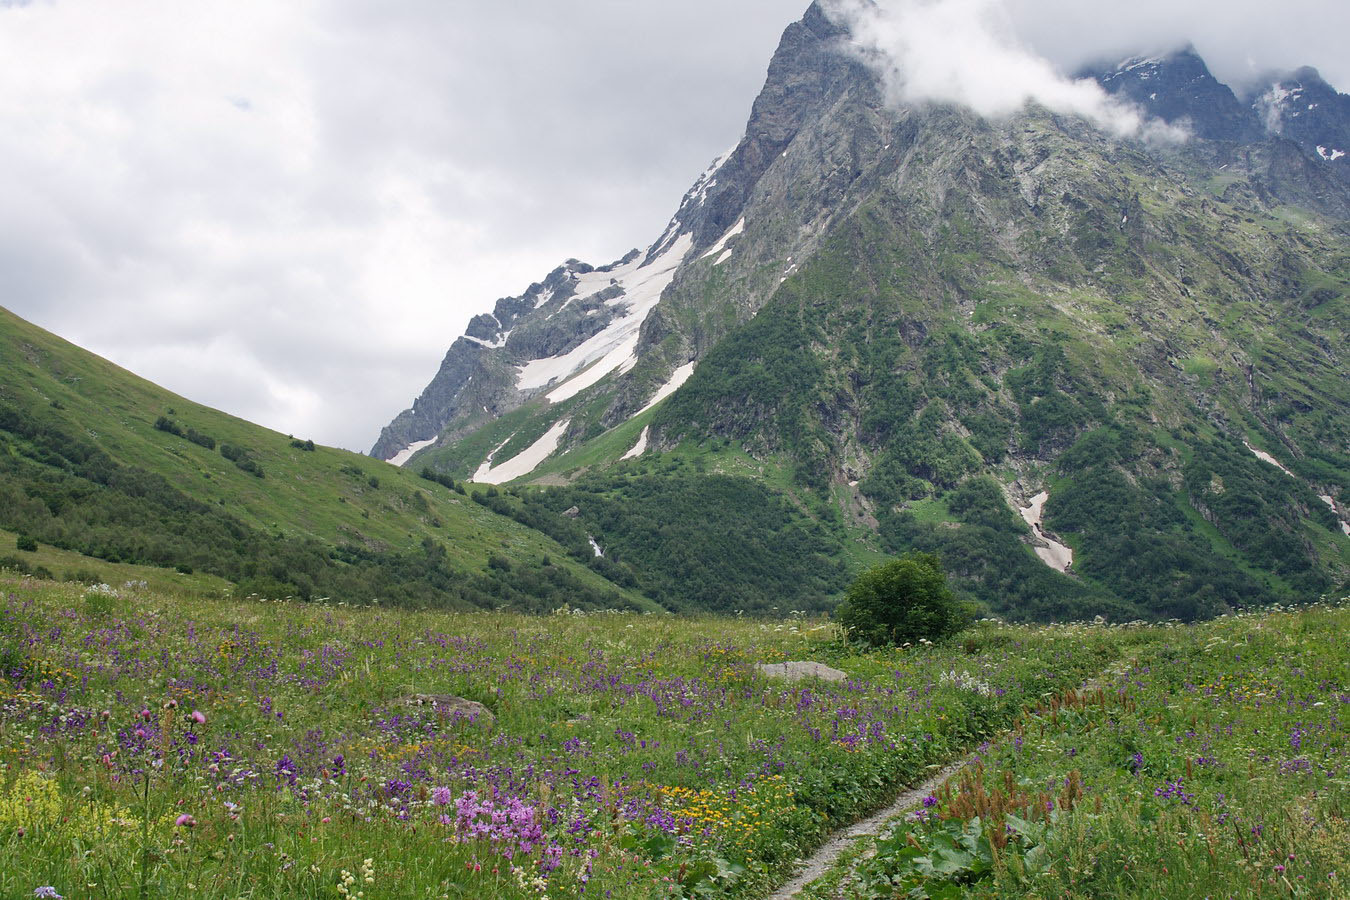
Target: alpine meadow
(952, 502)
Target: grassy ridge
(54, 563)
(81, 440)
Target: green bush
(165, 424)
(201, 440)
(83, 576)
(903, 601)
(26, 544)
(240, 457)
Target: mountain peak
(1178, 88)
(1302, 108)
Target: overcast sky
(288, 210)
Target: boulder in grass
(797, 671)
(455, 708)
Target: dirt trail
(824, 858)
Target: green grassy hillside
(96, 460)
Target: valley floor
(160, 745)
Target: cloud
(968, 52)
(1243, 41)
(994, 55)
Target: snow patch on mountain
(641, 446)
(486, 465)
(677, 379)
(524, 462)
(1267, 458)
(490, 345)
(401, 458)
(698, 194)
(609, 349)
(1145, 66)
(1329, 155)
(1327, 499)
(722, 241)
(1055, 555)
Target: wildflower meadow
(1215, 763)
(160, 746)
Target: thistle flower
(198, 716)
(185, 821)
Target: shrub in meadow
(904, 601)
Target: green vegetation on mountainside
(53, 563)
(1116, 344)
(692, 540)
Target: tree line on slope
(691, 541)
(60, 489)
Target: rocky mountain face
(1094, 374)
(488, 371)
(1302, 108)
(1179, 89)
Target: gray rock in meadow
(454, 708)
(796, 671)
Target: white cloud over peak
(968, 52)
